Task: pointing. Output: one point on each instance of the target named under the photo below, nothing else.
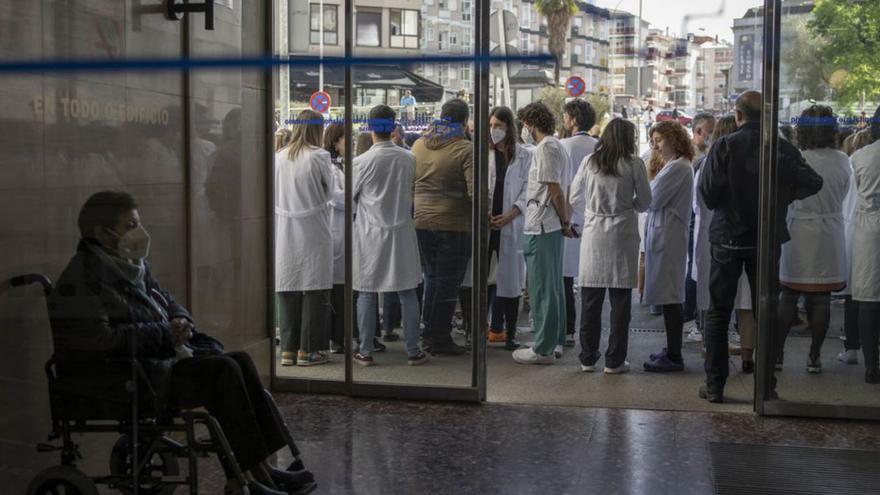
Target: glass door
(817, 313)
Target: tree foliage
(554, 98)
(558, 14)
(801, 67)
(850, 30)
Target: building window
(330, 17)
(443, 39)
(369, 28)
(466, 10)
(465, 74)
(467, 38)
(430, 31)
(453, 38)
(404, 28)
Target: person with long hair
(609, 190)
(816, 227)
(666, 238)
(509, 164)
(364, 142)
(334, 144)
(304, 185)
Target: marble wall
(64, 136)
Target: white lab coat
(578, 147)
(666, 233)
(702, 248)
(337, 225)
(816, 253)
(609, 253)
(386, 249)
(866, 228)
(303, 243)
(849, 217)
(508, 272)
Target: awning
(531, 78)
(304, 80)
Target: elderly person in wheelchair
(107, 304)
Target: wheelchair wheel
(62, 480)
(161, 464)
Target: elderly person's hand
(182, 330)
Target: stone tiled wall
(64, 136)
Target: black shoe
(293, 481)
(391, 337)
(296, 465)
(450, 349)
(511, 345)
(378, 346)
(872, 376)
(715, 397)
(748, 367)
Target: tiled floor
(370, 446)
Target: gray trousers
(304, 319)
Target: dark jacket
(96, 314)
(729, 185)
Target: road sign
(512, 67)
(320, 101)
(575, 86)
(511, 27)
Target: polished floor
(362, 446)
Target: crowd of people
(579, 212)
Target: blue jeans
(367, 305)
(445, 256)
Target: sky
(661, 13)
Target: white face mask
(134, 244)
(527, 137)
(498, 135)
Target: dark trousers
(851, 324)
(390, 312)
(505, 313)
(690, 285)
(869, 329)
(818, 305)
(592, 300)
(337, 318)
(445, 256)
(726, 267)
(673, 320)
(304, 318)
(570, 310)
(229, 387)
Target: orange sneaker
(497, 337)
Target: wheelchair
(117, 397)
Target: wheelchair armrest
(32, 278)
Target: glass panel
(369, 28)
(412, 211)
(827, 109)
(309, 207)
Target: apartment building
(713, 69)
(628, 46)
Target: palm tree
(558, 14)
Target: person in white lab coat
(334, 143)
(578, 117)
(666, 237)
(813, 262)
(509, 164)
(609, 191)
(866, 242)
(385, 247)
(304, 185)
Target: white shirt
(550, 165)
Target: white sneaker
(693, 333)
(558, 352)
(588, 369)
(623, 368)
(849, 357)
(733, 338)
(528, 356)
(814, 365)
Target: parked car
(683, 118)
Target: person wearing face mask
(509, 164)
(666, 238)
(106, 304)
(577, 117)
(547, 220)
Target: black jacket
(96, 314)
(729, 185)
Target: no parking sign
(575, 86)
(320, 101)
